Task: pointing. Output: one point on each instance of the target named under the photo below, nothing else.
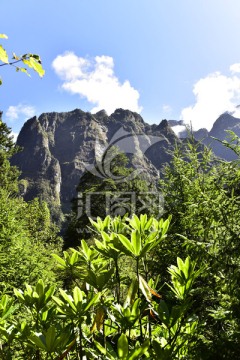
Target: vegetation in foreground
(142, 287)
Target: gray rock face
(225, 122)
(58, 147)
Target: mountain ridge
(58, 145)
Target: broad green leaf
(122, 347)
(181, 264)
(49, 293)
(74, 258)
(37, 66)
(136, 242)
(99, 245)
(40, 288)
(77, 295)
(39, 340)
(3, 55)
(105, 236)
(100, 348)
(44, 315)
(143, 285)
(143, 220)
(68, 299)
(132, 291)
(102, 249)
(35, 295)
(126, 243)
(178, 291)
(50, 338)
(3, 301)
(187, 267)
(6, 307)
(135, 223)
(58, 301)
(34, 64)
(153, 236)
(86, 250)
(106, 222)
(19, 294)
(59, 260)
(165, 226)
(135, 308)
(148, 224)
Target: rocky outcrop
(219, 131)
(226, 121)
(59, 147)
(37, 162)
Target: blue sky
(162, 58)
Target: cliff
(59, 147)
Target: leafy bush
(103, 316)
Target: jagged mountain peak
(57, 147)
(166, 130)
(224, 122)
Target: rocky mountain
(59, 147)
(225, 122)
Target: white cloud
(235, 68)
(14, 112)
(214, 94)
(95, 80)
(180, 130)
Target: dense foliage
(107, 313)
(144, 287)
(202, 194)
